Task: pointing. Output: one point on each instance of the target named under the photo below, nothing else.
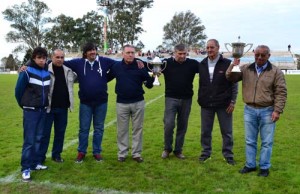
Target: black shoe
(180, 156)
(165, 154)
(263, 172)
(138, 159)
(58, 160)
(230, 161)
(204, 158)
(246, 170)
(121, 159)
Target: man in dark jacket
(31, 93)
(216, 95)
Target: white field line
(13, 177)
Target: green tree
(89, 29)
(11, 63)
(61, 34)
(27, 56)
(139, 46)
(29, 23)
(184, 28)
(72, 34)
(125, 19)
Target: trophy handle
(250, 44)
(149, 67)
(226, 46)
(165, 62)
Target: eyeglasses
(58, 57)
(261, 55)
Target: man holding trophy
(216, 96)
(264, 95)
(179, 75)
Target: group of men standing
(45, 92)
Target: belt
(34, 108)
(256, 105)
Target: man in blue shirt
(130, 102)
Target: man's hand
(275, 116)
(140, 64)
(230, 108)
(22, 68)
(236, 62)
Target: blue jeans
(259, 120)
(178, 109)
(86, 114)
(33, 124)
(58, 117)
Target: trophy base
(235, 69)
(156, 82)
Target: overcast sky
(275, 23)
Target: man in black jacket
(216, 95)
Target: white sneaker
(41, 167)
(26, 176)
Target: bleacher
(285, 60)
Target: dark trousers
(59, 118)
(178, 109)
(225, 122)
(33, 124)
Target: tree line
(32, 26)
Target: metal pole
(105, 33)
(105, 4)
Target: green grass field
(155, 175)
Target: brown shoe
(165, 154)
(180, 156)
(138, 159)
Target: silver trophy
(238, 51)
(157, 66)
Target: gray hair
(55, 50)
(215, 41)
(263, 47)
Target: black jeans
(225, 122)
(178, 109)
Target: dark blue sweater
(92, 79)
(129, 81)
